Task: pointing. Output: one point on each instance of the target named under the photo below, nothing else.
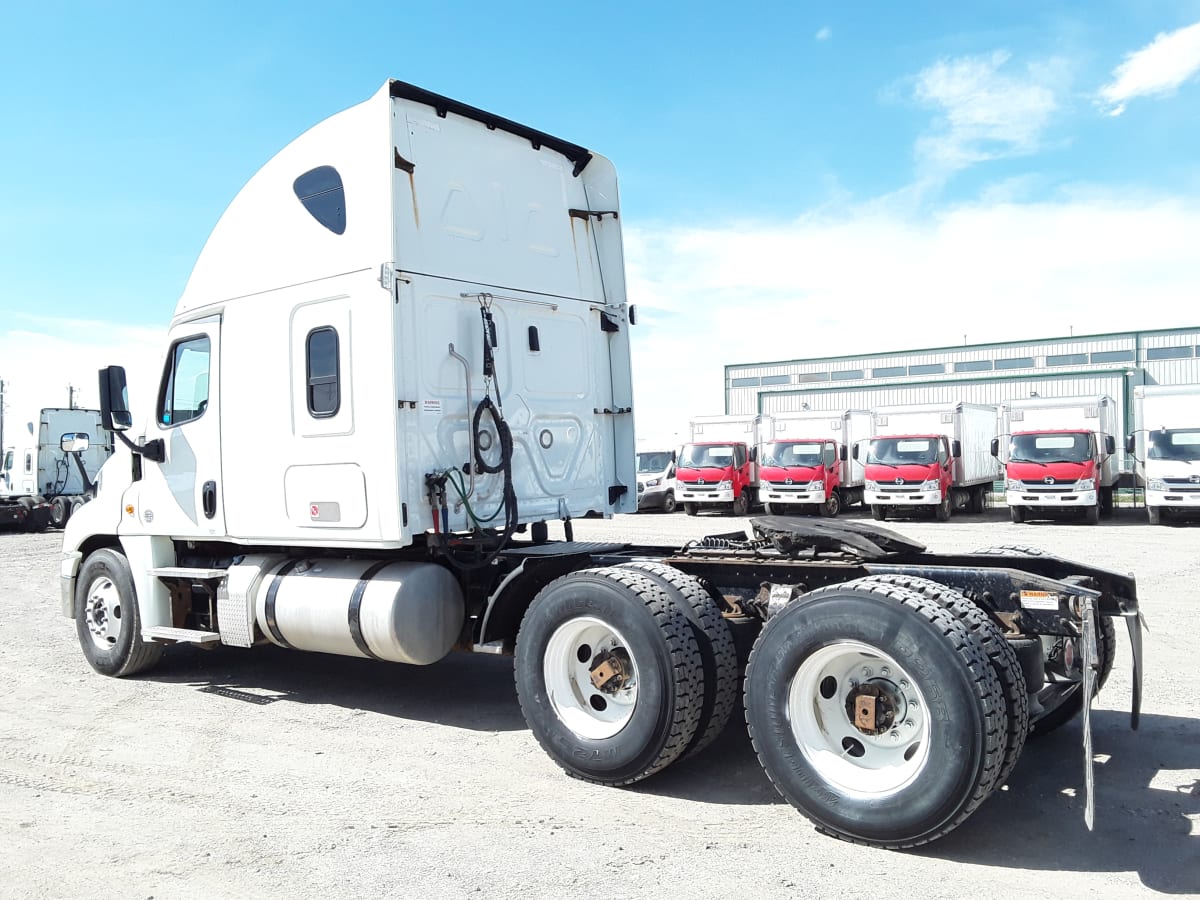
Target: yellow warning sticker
(1039, 600)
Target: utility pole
(71, 392)
(2, 387)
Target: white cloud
(1157, 69)
(41, 356)
(876, 280)
(985, 111)
(824, 34)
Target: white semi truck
(49, 466)
(930, 456)
(1166, 446)
(1059, 456)
(402, 352)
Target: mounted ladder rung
(182, 635)
(186, 572)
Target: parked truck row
(1054, 456)
(49, 466)
(429, 301)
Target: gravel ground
(271, 773)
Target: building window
(1110, 356)
(927, 369)
(1015, 362)
(184, 393)
(973, 365)
(805, 377)
(1067, 359)
(889, 371)
(321, 352)
(321, 192)
(776, 379)
(847, 375)
(744, 382)
(1169, 353)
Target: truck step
(182, 635)
(185, 572)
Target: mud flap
(1090, 662)
(1136, 624)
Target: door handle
(209, 497)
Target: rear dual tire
(843, 766)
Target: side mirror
(1110, 444)
(1130, 443)
(632, 313)
(753, 454)
(842, 454)
(114, 409)
(956, 449)
(74, 442)
(854, 451)
(674, 457)
(996, 447)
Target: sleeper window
(322, 363)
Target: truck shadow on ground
(472, 691)
(1147, 794)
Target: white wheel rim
(846, 756)
(571, 654)
(103, 613)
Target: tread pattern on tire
(998, 650)
(686, 665)
(715, 641)
(987, 690)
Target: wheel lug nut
(885, 671)
(904, 684)
(895, 736)
(866, 672)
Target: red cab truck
(804, 464)
(716, 469)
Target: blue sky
(798, 179)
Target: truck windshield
(1175, 443)
(903, 451)
(791, 453)
(1048, 448)
(652, 463)
(698, 456)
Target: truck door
(181, 496)
(946, 465)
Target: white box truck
(403, 350)
(49, 466)
(716, 469)
(1059, 455)
(1166, 446)
(804, 461)
(935, 457)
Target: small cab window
(321, 370)
(28, 463)
(829, 456)
(739, 456)
(8, 461)
(321, 192)
(943, 452)
(185, 391)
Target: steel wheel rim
(103, 613)
(571, 653)
(855, 762)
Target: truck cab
(720, 473)
(1058, 470)
(800, 474)
(656, 480)
(910, 470)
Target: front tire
(831, 507)
(107, 619)
(874, 711)
(1154, 515)
(1091, 515)
(609, 676)
(941, 512)
(690, 508)
(879, 513)
(1017, 514)
(668, 505)
(741, 504)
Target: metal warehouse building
(1110, 364)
